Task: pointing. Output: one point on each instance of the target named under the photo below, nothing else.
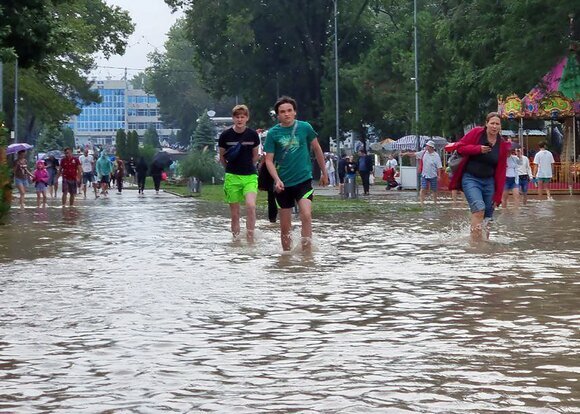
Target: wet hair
(492, 115)
(243, 109)
(284, 100)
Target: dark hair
(284, 100)
(492, 115)
(67, 148)
(362, 150)
(542, 144)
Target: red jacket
(469, 145)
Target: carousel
(556, 101)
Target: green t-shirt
(294, 167)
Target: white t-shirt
(392, 163)
(329, 166)
(513, 162)
(524, 167)
(544, 160)
(431, 163)
(86, 163)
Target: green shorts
(544, 179)
(237, 186)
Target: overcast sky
(152, 19)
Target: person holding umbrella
(160, 161)
(21, 175)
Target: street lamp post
(337, 134)
(16, 101)
(416, 89)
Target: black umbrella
(161, 159)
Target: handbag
(265, 180)
(454, 161)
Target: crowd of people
(77, 174)
(489, 170)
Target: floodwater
(145, 305)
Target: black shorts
(341, 178)
(105, 179)
(290, 195)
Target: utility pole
(16, 101)
(417, 91)
(337, 136)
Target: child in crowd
(40, 178)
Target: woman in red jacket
(481, 173)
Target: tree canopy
(470, 51)
(56, 42)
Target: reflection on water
(147, 305)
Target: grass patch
(323, 205)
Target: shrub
(202, 165)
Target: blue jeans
(479, 193)
(524, 183)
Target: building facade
(121, 107)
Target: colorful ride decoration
(557, 96)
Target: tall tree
(121, 143)
(244, 49)
(204, 135)
(68, 138)
(151, 138)
(132, 144)
(175, 82)
(56, 75)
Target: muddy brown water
(147, 305)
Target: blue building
(122, 107)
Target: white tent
(409, 143)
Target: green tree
(148, 152)
(51, 138)
(54, 77)
(132, 144)
(121, 143)
(270, 58)
(176, 84)
(204, 135)
(68, 138)
(151, 138)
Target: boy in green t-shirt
(288, 145)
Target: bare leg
(235, 219)
(422, 196)
(44, 198)
(251, 216)
(63, 199)
(435, 196)
(548, 192)
(305, 206)
(71, 199)
(516, 197)
(37, 199)
(285, 227)
(477, 226)
(22, 192)
(504, 197)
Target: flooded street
(147, 305)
